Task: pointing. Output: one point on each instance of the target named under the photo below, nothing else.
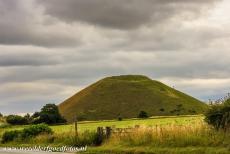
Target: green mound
(125, 96)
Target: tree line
(49, 114)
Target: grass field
(92, 125)
(174, 134)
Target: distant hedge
(219, 116)
(49, 114)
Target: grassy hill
(125, 96)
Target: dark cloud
(124, 14)
(26, 60)
(23, 23)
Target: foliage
(143, 114)
(16, 120)
(28, 118)
(10, 136)
(35, 115)
(120, 119)
(35, 130)
(219, 115)
(1, 115)
(28, 132)
(49, 114)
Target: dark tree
(219, 115)
(143, 114)
(36, 115)
(16, 120)
(1, 115)
(50, 115)
(119, 119)
(28, 118)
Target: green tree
(1, 115)
(50, 115)
(16, 120)
(143, 114)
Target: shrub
(26, 133)
(10, 136)
(143, 114)
(35, 130)
(16, 120)
(219, 115)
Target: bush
(219, 115)
(143, 114)
(16, 120)
(35, 130)
(10, 136)
(119, 119)
(26, 133)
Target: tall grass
(199, 135)
(59, 139)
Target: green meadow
(92, 125)
(163, 135)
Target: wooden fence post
(100, 135)
(108, 132)
(75, 124)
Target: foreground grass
(197, 139)
(155, 150)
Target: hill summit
(125, 96)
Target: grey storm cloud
(124, 14)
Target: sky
(49, 50)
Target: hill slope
(126, 96)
